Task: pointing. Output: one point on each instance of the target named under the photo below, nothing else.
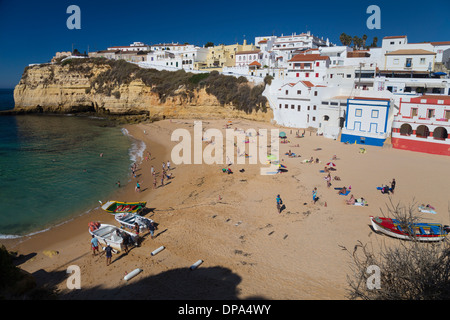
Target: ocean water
(51, 169)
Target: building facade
(422, 125)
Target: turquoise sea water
(51, 169)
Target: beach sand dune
(231, 223)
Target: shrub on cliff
(227, 89)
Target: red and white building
(309, 67)
(422, 125)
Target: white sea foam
(137, 148)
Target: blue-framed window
(375, 113)
(358, 112)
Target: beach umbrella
(271, 157)
(331, 164)
(282, 134)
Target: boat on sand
(129, 219)
(115, 207)
(112, 235)
(410, 231)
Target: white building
(410, 60)
(176, 56)
(309, 67)
(135, 46)
(245, 58)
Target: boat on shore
(115, 207)
(410, 231)
(128, 220)
(112, 235)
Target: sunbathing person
(351, 201)
(343, 191)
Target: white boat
(112, 235)
(129, 219)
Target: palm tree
(374, 42)
(364, 39)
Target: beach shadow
(283, 207)
(203, 283)
(24, 258)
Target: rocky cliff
(120, 88)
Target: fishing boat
(115, 207)
(112, 235)
(410, 231)
(129, 219)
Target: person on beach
(168, 165)
(314, 194)
(118, 183)
(152, 170)
(154, 183)
(343, 191)
(279, 203)
(151, 229)
(108, 251)
(392, 186)
(94, 245)
(138, 187)
(162, 180)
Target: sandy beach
(231, 223)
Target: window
(317, 64)
(408, 63)
(349, 75)
(299, 91)
(396, 61)
(314, 107)
(307, 75)
(313, 118)
(280, 105)
(285, 106)
(308, 107)
(422, 60)
(298, 74)
(299, 108)
(413, 112)
(430, 113)
(287, 92)
(317, 75)
(358, 112)
(292, 106)
(447, 114)
(315, 93)
(374, 113)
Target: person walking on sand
(168, 165)
(314, 194)
(279, 203)
(152, 170)
(108, 251)
(393, 185)
(138, 187)
(162, 180)
(154, 183)
(94, 245)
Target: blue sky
(32, 31)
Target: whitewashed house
(309, 67)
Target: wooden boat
(115, 207)
(129, 219)
(409, 231)
(112, 235)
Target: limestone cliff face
(63, 89)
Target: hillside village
(396, 94)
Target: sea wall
(80, 87)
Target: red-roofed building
(422, 125)
(310, 67)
